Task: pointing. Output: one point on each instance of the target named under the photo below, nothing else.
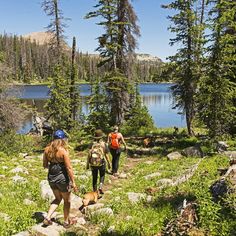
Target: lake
(156, 97)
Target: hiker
(60, 176)
(97, 158)
(114, 141)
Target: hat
(98, 134)
(59, 134)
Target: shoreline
(78, 83)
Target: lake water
(157, 98)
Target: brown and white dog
(90, 198)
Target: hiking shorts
(62, 187)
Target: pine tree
(58, 106)
(56, 26)
(188, 29)
(99, 110)
(217, 88)
(117, 46)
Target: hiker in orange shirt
(115, 139)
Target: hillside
(43, 38)
(40, 38)
(32, 61)
(148, 58)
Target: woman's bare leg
(55, 203)
(66, 198)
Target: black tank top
(57, 173)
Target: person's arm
(107, 157)
(69, 169)
(108, 139)
(123, 141)
(45, 161)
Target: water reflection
(157, 98)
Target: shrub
(139, 122)
(12, 143)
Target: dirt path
(129, 164)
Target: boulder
(136, 197)
(52, 230)
(20, 169)
(19, 179)
(23, 233)
(153, 175)
(230, 154)
(149, 198)
(174, 156)
(194, 151)
(231, 175)
(91, 208)
(46, 191)
(164, 182)
(218, 189)
(103, 211)
(76, 202)
(221, 146)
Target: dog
(90, 198)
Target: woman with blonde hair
(60, 176)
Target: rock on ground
(19, 169)
(174, 156)
(230, 154)
(19, 179)
(103, 211)
(46, 191)
(153, 175)
(23, 233)
(193, 151)
(136, 197)
(52, 230)
(164, 182)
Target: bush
(139, 122)
(12, 143)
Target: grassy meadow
(20, 200)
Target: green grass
(142, 218)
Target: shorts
(62, 187)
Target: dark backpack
(96, 156)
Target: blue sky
(25, 16)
